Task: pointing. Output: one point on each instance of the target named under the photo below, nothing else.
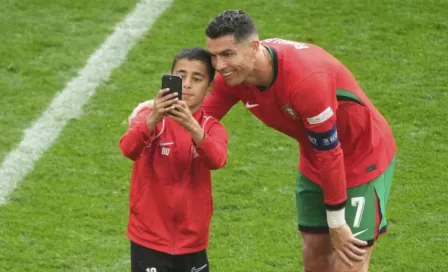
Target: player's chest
(272, 107)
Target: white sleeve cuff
(336, 219)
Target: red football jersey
(170, 205)
(344, 141)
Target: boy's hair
(199, 54)
(235, 22)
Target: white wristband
(336, 219)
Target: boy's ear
(210, 87)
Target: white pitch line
(68, 104)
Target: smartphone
(174, 83)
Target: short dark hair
(235, 22)
(199, 54)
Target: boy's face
(195, 81)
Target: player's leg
(316, 250)
(366, 215)
(338, 265)
(193, 262)
(147, 260)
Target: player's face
(233, 60)
(195, 81)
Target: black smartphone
(174, 83)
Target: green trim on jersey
(343, 95)
(274, 68)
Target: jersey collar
(198, 114)
(274, 68)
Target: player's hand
(182, 114)
(346, 245)
(148, 104)
(162, 105)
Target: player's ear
(255, 46)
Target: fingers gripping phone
(174, 83)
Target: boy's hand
(162, 105)
(182, 114)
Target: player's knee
(316, 255)
(339, 265)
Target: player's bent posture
(347, 150)
(174, 147)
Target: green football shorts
(365, 210)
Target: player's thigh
(311, 211)
(193, 262)
(312, 222)
(366, 207)
(147, 260)
(316, 247)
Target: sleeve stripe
(335, 207)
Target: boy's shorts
(148, 260)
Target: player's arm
(140, 133)
(315, 100)
(213, 147)
(220, 100)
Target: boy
(174, 146)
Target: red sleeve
(137, 136)
(213, 148)
(221, 99)
(314, 99)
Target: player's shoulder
(291, 49)
(285, 45)
(299, 56)
(299, 60)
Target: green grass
(42, 46)
(70, 214)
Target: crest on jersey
(290, 111)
